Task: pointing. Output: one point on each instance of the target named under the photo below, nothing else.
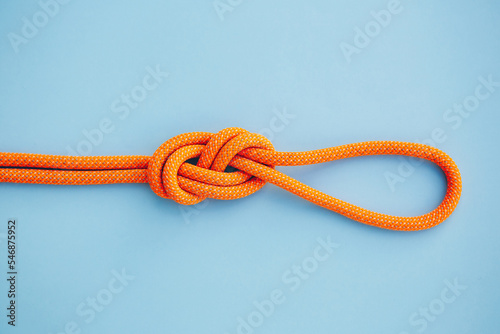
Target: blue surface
(228, 266)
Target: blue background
(200, 272)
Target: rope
(254, 157)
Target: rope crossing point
(254, 157)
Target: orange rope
(170, 176)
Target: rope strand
(253, 155)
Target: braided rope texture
(253, 156)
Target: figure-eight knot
(171, 175)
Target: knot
(171, 177)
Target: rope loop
(170, 175)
